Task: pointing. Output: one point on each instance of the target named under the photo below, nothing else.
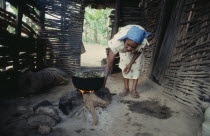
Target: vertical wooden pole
(19, 19)
(41, 52)
(167, 7)
(18, 36)
(115, 30)
(188, 19)
(3, 4)
(42, 18)
(117, 18)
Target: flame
(84, 91)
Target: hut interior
(177, 60)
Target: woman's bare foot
(134, 94)
(124, 92)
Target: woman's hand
(127, 69)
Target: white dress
(125, 57)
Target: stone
(46, 108)
(44, 129)
(104, 94)
(70, 100)
(42, 81)
(37, 120)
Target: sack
(206, 128)
(207, 115)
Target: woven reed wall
(17, 54)
(187, 77)
(63, 30)
(151, 12)
(57, 42)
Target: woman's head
(133, 38)
(130, 45)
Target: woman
(129, 43)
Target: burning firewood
(91, 101)
(89, 82)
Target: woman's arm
(135, 56)
(109, 65)
(128, 67)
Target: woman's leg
(126, 88)
(126, 83)
(133, 90)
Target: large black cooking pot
(88, 84)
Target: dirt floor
(93, 55)
(153, 114)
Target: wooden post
(19, 19)
(117, 18)
(189, 18)
(18, 36)
(168, 43)
(42, 18)
(114, 31)
(3, 4)
(165, 15)
(41, 52)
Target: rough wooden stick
(91, 101)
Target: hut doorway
(96, 33)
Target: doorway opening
(96, 33)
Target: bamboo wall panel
(151, 12)
(63, 31)
(13, 48)
(187, 77)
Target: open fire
(85, 91)
(91, 101)
(89, 83)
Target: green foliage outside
(25, 19)
(96, 26)
(95, 29)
